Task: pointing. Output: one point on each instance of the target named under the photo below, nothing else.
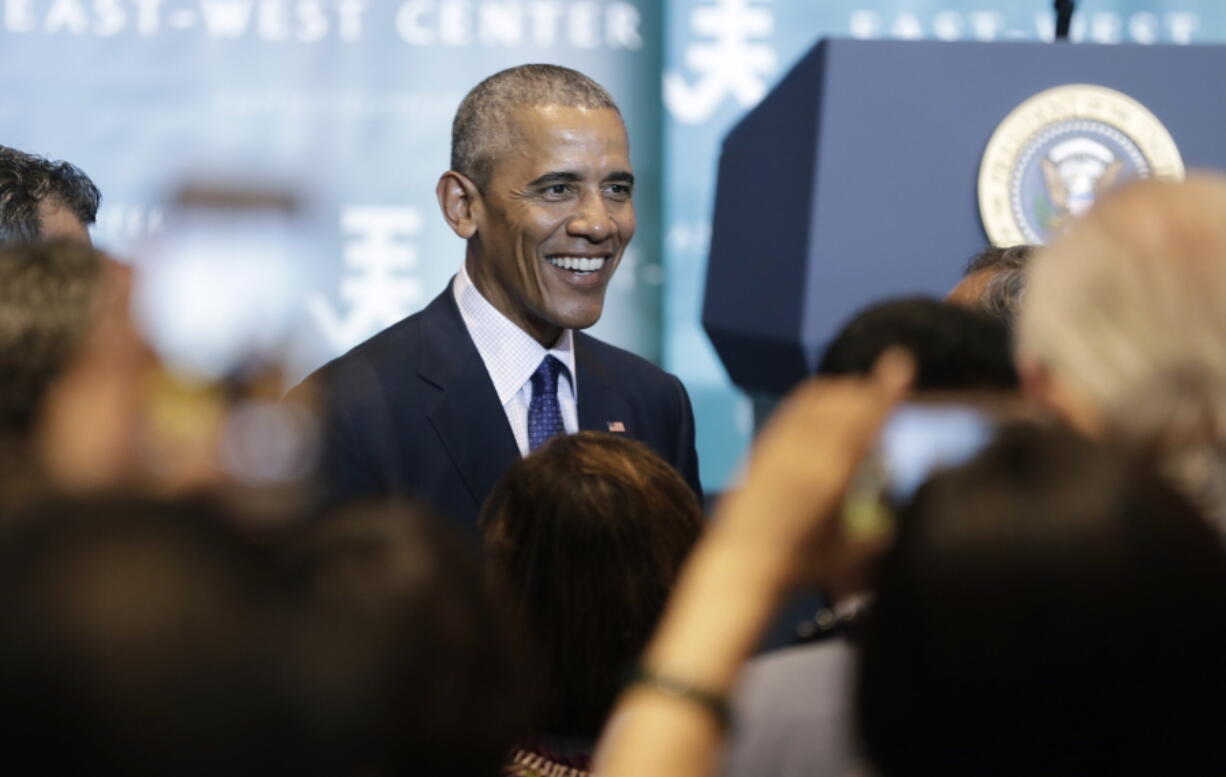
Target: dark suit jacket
(412, 411)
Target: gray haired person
(41, 198)
(994, 281)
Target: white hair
(1128, 309)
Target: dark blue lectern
(857, 177)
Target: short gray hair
(482, 127)
(1001, 296)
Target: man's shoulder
(395, 347)
(392, 344)
(620, 360)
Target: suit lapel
(467, 416)
(601, 407)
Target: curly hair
(28, 181)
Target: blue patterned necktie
(544, 414)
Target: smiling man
(438, 405)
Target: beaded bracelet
(714, 703)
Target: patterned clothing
(537, 763)
(511, 356)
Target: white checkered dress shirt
(511, 355)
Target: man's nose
(591, 220)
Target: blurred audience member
(150, 638)
(417, 667)
(793, 706)
(1050, 608)
(40, 198)
(793, 713)
(994, 282)
(778, 531)
(954, 348)
(140, 639)
(1124, 331)
(587, 535)
(86, 405)
(48, 297)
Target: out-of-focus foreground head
(139, 639)
(955, 348)
(73, 367)
(1052, 607)
(587, 535)
(40, 198)
(49, 294)
(994, 281)
(1123, 329)
(418, 667)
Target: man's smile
(583, 265)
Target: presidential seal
(1057, 151)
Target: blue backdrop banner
(349, 102)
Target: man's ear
(460, 201)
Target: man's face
(554, 219)
(58, 221)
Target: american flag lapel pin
(617, 426)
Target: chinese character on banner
(732, 58)
(378, 286)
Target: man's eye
(557, 190)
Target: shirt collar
(510, 354)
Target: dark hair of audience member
(28, 183)
(419, 668)
(140, 638)
(1050, 608)
(954, 348)
(587, 534)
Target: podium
(857, 177)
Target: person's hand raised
(778, 529)
(803, 461)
